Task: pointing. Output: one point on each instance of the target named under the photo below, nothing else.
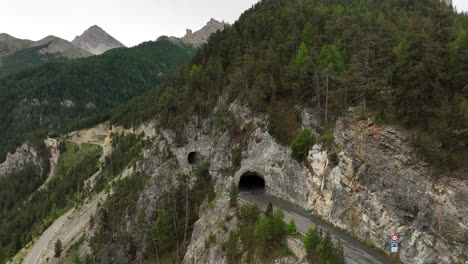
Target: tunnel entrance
(251, 182)
(194, 158)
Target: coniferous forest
(55, 95)
(401, 62)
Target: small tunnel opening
(194, 158)
(251, 182)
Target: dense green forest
(54, 95)
(26, 59)
(399, 62)
(27, 212)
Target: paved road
(354, 251)
(36, 251)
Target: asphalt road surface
(354, 251)
(35, 254)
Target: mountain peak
(10, 44)
(5, 36)
(201, 36)
(96, 41)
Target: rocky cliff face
(381, 186)
(378, 185)
(96, 41)
(25, 154)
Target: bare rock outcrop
(96, 41)
(201, 36)
(382, 186)
(210, 232)
(25, 154)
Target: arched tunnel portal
(252, 182)
(194, 158)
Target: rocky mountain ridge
(201, 36)
(19, 54)
(9, 45)
(55, 45)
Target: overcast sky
(461, 5)
(130, 21)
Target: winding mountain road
(354, 251)
(35, 254)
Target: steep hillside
(48, 49)
(9, 45)
(368, 180)
(288, 74)
(332, 56)
(53, 95)
(96, 41)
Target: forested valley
(57, 96)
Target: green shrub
(301, 144)
(107, 188)
(283, 122)
(236, 158)
(327, 141)
(321, 249)
(291, 228)
(76, 259)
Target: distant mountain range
(19, 54)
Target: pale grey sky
(130, 21)
(461, 5)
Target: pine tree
(311, 241)
(263, 233)
(232, 248)
(291, 228)
(58, 248)
(233, 195)
(327, 248)
(269, 210)
(302, 55)
(278, 226)
(338, 253)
